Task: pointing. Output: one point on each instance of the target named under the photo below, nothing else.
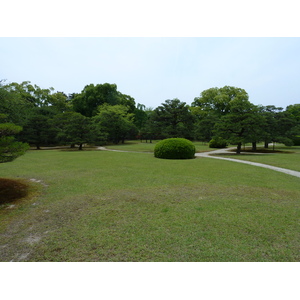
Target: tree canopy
(100, 113)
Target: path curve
(212, 154)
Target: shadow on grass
(12, 190)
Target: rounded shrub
(175, 148)
(217, 142)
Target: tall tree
(241, 125)
(211, 105)
(74, 128)
(116, 122)
(92, 96)
(173, 119)
(31, 93)
(38, 130)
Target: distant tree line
(101, 113)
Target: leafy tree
(294, 111)
(280, 125)
(150, 129)
(9, 148)
(74, 128)
(14, 106)
(30, 93)
(204, 123)
(116, 122)
(173, 119)
(241, 125)
(219, 100)
(212, 104)
(59, 102)
(38, 130)
(92, 96)
(140, 116)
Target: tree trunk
(80, 147)
(38, 147)
(239, 148)
(254, 146)
(266, 145)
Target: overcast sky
(154, 51)
(152, 70)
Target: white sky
(156, 51)
(152, 70)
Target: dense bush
(287, 142)
(175, 148)
(217, 142)
(296, 140)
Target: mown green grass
(110, 206)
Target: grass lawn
(113, 206)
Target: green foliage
(38, 129)
(296, 140)
(74, 128)
(92, 96)
(242, 124)
(173, 119)
(9, 148)
(218, 142)
(175, 148)
(116, 121)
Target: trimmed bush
(217, 142)
(175, 148)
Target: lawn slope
(110, 206)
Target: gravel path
(212, 154)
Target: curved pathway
(212, 154)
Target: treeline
(101, 113)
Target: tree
(241, 125)
(38, 130)
(74, 128)
(204, 123)
(219, 99)
(173, 119)
(59, 102)
(212, 104)
(280, 125)
(9, 148)
(32, 94)
(140, 116)
(92, 96)
(116, 122)
(14, 106)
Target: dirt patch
(12, 190)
